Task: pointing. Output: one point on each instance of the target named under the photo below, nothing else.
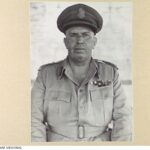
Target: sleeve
(38, 129)
(122, 123)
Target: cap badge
(81, 13)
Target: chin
(80, 59)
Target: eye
(72, 35)
(86, 35)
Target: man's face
(80, 41)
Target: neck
(79, 63)
(79, 69)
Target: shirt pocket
(57, 105)
(102, 93)
(102, 102)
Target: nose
(80, 39)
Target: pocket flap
(101, 93)
(58, 96)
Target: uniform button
(81, 107)
(81, 90)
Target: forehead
(78, 29)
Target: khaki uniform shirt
(63, 110)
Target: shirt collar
(64, 64)
(61, 68)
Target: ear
(94, 41)
(65, 42)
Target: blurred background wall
(114, 40)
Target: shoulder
(106, 69)
(50, 65)
(106, 64)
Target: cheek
(91, 44)
(70, 44)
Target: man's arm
(122, 130)
(38, 129)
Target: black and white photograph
(81, 71)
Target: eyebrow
(81, 32)
(78, 33)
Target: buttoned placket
(81, 101)
(81, 94)
(82, 97)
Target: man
(79, 98)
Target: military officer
(79, 98)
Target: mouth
(79, 48)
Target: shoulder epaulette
(108, 63)
(111, 64)
(49, 64)
(43, 66)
